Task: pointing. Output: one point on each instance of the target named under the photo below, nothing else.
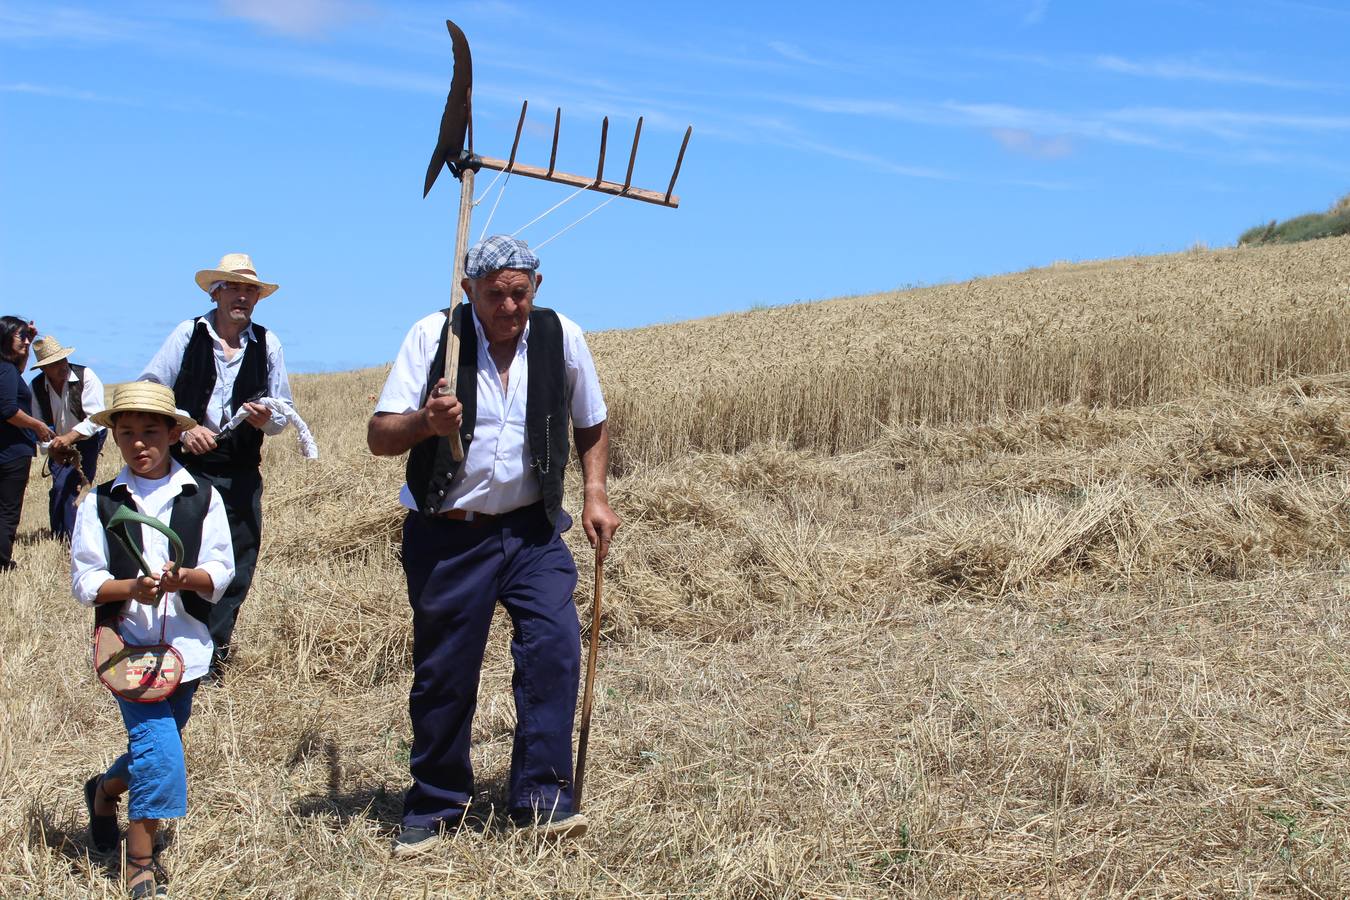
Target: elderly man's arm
(599, 520)
(389, 434)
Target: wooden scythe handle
(451, 371)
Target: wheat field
(1032, 585)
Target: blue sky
(838, 148)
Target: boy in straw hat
(145, 424)
(65, 396)
(218, 364)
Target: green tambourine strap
(117, 526)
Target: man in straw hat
(65, 396)
(490, 528)
(218, 364)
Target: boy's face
(144, 439)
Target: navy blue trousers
(241, 491)
(66, 484)
(457, 572)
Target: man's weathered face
(235, 301)
(57, 373)
(503, 300)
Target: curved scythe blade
(458, 110)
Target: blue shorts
(153, 765)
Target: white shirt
(140, 622)
(495, 476)
(165, 365)
(91, 395)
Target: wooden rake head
(598, 183)
(454, 146)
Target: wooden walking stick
(585, 737)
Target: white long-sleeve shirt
(91, 397)
(140, 622)
(495, 476)
(164, 367)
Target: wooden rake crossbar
(598, 183)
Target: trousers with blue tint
(457, 572)
(153, 765)
(65, 491)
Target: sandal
(155, 886)
(103, 832)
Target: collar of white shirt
(245, 335)
(179, 477)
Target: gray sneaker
(413, 841)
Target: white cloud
(63, 23)
(793, 53)
(1019, 140)
(1181, 70)
(61, 93)
(303, 18)
(1036, 12)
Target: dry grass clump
(1088, 645)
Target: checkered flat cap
(501, 251)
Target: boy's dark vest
(241, 447)
(76, 398)
(431, 467)
(189, 511)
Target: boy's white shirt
(140, 621)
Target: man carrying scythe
(489, 528)
(480, 397)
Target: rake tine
(516, 143)
(604, 134)
(553, 154)
(632, 156)
(679, 161)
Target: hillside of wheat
(1028, 585)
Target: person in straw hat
(490, 528)
(145, 423)
(218, 364)
(65, 395)
(19, 430)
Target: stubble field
(1029, 585)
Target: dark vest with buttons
(75, 398)
(189, 511)
(240, 447)
(431, 466)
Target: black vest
(240, 447)
(430, 465)
(75, 399)
(189, 511)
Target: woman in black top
(19, 430)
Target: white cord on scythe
(612, 198)
(482, 234)
(572, 196)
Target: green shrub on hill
(1335, 221)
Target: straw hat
(143, 396)
(234, 267)
(48, 350)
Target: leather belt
(468, 516)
